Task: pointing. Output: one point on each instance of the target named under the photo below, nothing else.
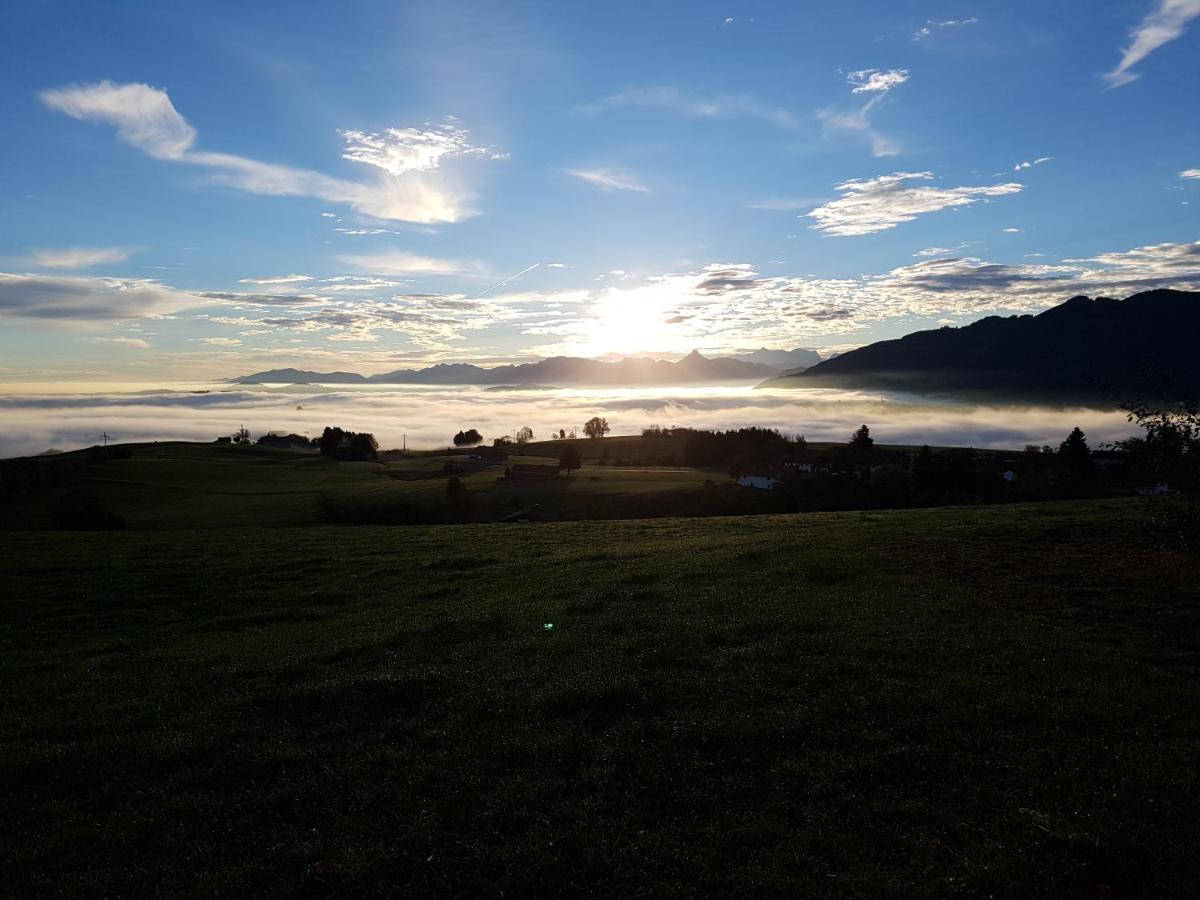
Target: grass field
(991, 702)
(188, 485)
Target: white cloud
(276, 279)
(244, 298)
(722, 106)
(728, 20)
(785, 204)
(1190, 173)
(400, 262)
(932, 26)
(717, 308)
(943, 251)
(144, 116)
(401, 150)
(869, 81)
(53, 300)
(1164, 24)
(407, 184)
(877, 204)
(80, 257)
(1011, 230)
(877, 84)
(130, 342)
(610, 180)
(221, 342)
(356, 283)
(1030, 163)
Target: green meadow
(970, 702)
(184, 485)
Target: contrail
(506, 281)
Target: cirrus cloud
(610, 180)
(1163, 25)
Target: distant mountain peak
(695, 368)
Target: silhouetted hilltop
(631, 372)
(789, 360)
(1094, 349)
(301, 376)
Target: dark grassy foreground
(966, 702)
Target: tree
(524, 434)
(347, 445)
(1074, 454)
(569, 459)
(596, 427)
(1171, 449)
(862, 442)
(468, 438)
(328, 442)
(1075, 446)
(562, 434)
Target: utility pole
(405, 447)
(104, 437)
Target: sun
(629, 321)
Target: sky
(199, 191)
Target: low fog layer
(32, 423)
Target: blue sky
(199, 190)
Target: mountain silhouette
(1101, 349)
(694, 368)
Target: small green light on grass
(549, 626)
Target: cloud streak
(1030, 163)
(721, 106)
(407, 182)
(1161, 26)
(610, 180)
(400, 262)
(876, 84)
(80, 257)
(931, 27)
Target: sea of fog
(39, 417)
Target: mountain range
(567, 370)
(1084, 349)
